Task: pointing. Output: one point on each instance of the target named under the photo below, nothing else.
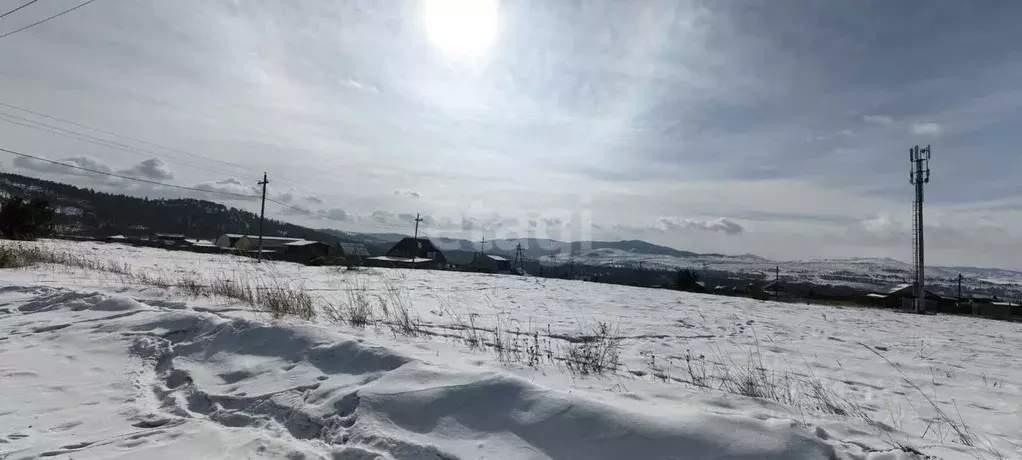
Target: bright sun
(463, 28)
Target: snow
(95, 365)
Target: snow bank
(93, 376)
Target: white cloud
(229, 185)
(408, 193)
(721, 224)
(339, 215)
(926, 129)
(152, 169)
(883, 120)
(69, 166)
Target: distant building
(167, 239)
(202, 246)
(246, 243)
(411, 252)
(774, 288)
(354, 252)
(307, 252)
(901, 296)
(491, 263)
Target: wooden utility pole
(262, 213)
(416, 238)
(959, 289)
(518, 259)
(777, 281)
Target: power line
(8, 34)
(121, 176)
(305, 211)
(18, 8)
(99, 141)
(140, 141)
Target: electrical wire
(16, 9)
(8, 34)
(38, 125)
(145, 142)
(121, 176)
(164, 184)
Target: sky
(774, 127)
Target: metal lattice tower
(919, 174)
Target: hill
(89, 212)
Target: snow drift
(88, 375)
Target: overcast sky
(773, 127)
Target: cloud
(229, 185)
(339, 214)
(882, 120)
(353, 83)
(408, 193)
(926, 129)
(313, 199)
(721, 224)
(152, 169)
(70, 166)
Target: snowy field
(131, 358)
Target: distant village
(406, 253)
(423, 253)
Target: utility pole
(416, 238)
(518, 259)
(777, 281)
(262, 213)
(959, 289)
(919, 174)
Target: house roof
(301, 243)
(354, 249)
(404, 260)
(495, 257)
(179, 236)
(266, 239)
(200, 243)
(899, 288)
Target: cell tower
(919, 174)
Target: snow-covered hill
(129, 359)
(865, 273)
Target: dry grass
(273, 296)
(595, 353)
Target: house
(902, 296)
(353, 252)
(116, 239)
(411, 252)
(491, 263)
(167, 239)
(245, 243)
(774, 288)
(202, 246)
(307, 252)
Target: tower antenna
(919, 174)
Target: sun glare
(463, 28)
